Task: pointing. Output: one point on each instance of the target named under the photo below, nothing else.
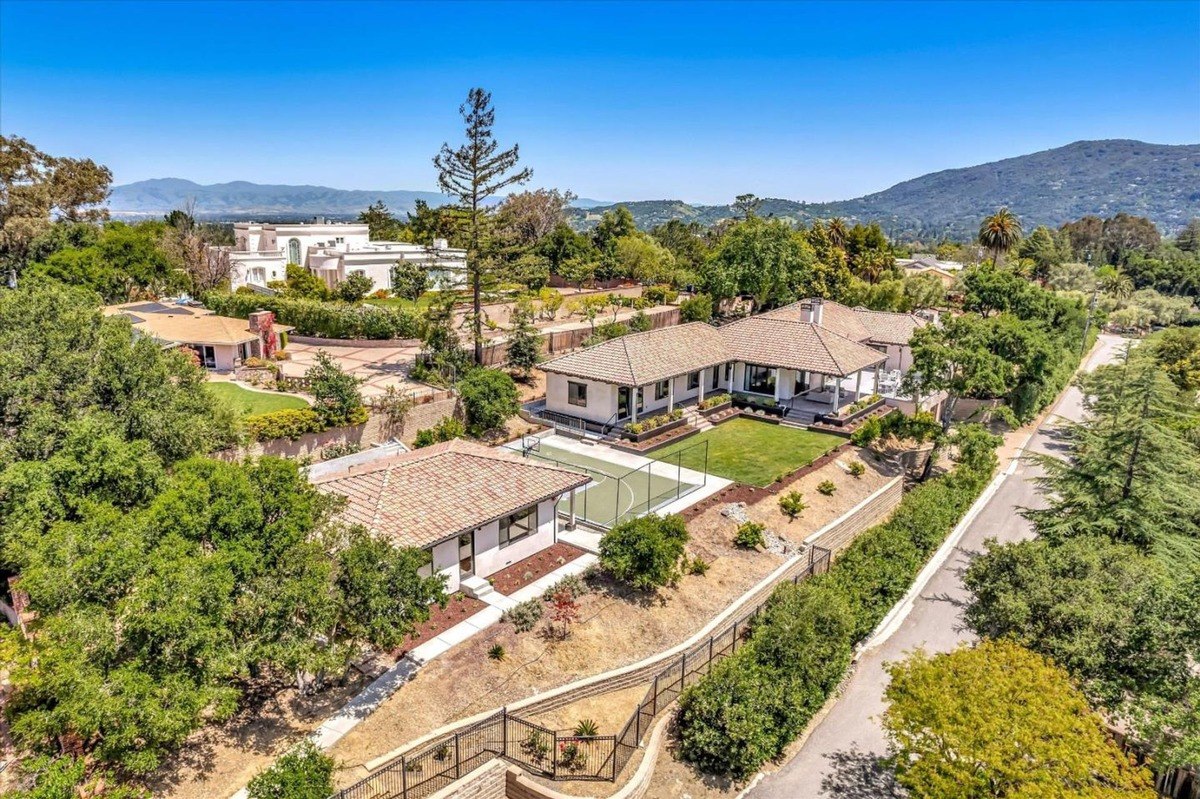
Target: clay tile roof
(772, 341)
(429, 495)
(834, 316)
(886, 327)
(183, 325)
(639, 359)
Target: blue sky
(689, 100)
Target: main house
(813, 356)
(333, 251)
(221, 343)
(474, 509)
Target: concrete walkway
(842, 756)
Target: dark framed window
(759, 379)
(519, 525)
(623, 394)
(715, 377)
(577, 393)
(661, 389)
(729, 372)
(802, 382)
(294, 252)
(693, 380)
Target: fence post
(403, 777)
(504, 731)
(710, 644)
(654, 712)
(457, 759)
(682, 671)
(733, 646)
(554, 753)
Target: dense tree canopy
(998, 720)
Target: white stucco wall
(491, 558)
(601, 398)
(445, 561)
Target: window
(802, 382)
(623, 402)
(661, 389)
(716, 373)
(693, 380)
(759, 379)
(577, 394)
(518, 526)
(729, 372)
(294, 251)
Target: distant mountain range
(1158, 181)
(241, 200)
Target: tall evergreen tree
(1130, 474)
(473, 172)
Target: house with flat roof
(221, 343)
(811, 357)
(475, 509)
(333, 251)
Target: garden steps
(476, 587)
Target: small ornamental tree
(1000, 720)
(696, 309)
(354, 287)
(489, 399)
(792, 504)
(409, 280)
(564, 611)
(338, 401)
(304, 772)
(524, 342)
(645, 552)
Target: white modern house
(333, 251)
(811, 357)
(475, 509)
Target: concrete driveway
(841, 758)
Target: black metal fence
(551, 753)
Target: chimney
(818, 310)
(260, 320)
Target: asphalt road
(841, 757)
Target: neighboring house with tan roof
(220, 342)
(475, 509)
(800, 354)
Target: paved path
(840, 758)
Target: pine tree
(473, 172)
(1131, 473)
(524, 342)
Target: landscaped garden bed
(664, 437)
(459, 607)
(653, 426)
(852, 412)
(711, 406)
(513, 578)
(763, 405)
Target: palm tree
(1114, 283)
(837, 232)
(999, 233)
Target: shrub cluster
(445, 430)
(646, 552)
(290, 423)
(754, 703)
(750, 535)
(524, 616)
(325, 319)
(655, 422)
(713, 401)
(660, 295)
(303, 773)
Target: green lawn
(248, 402)
(750, 451)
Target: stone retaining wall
(486, 782)
(837, 536)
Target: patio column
(837, 393)
(670, 395)
(633, 398)
(778, 382)
(858, 385)
(571, 516)
(703, 377)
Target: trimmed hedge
(324, 319)
(289, 423)
(752, 704)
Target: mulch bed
(649, 444)
(515, 577)
(846, 429)
(741, 492)
(460, 607)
